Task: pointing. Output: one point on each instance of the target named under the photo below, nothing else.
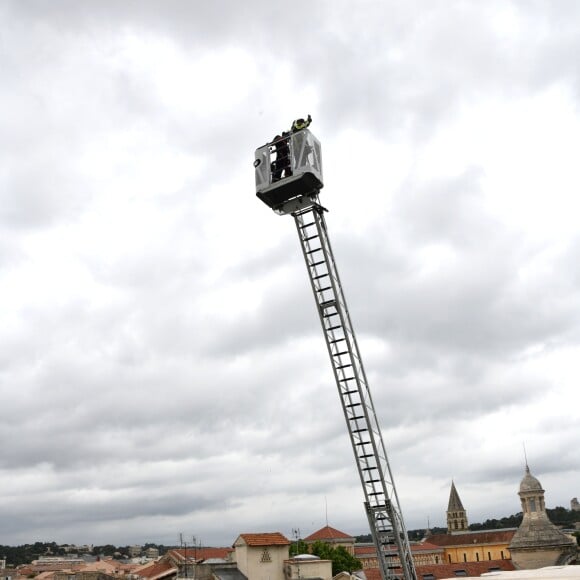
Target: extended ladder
(381, 501)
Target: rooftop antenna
(184, 548)
(296, 534)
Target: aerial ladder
(288, 175)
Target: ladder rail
(381, 500)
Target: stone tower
(538, 542)
(456, 514)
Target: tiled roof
(425, 546)
(45, 575)
(489, 537)
(373, 574)
(105, 566)
(471, 568)
(370, 550)
(365, 550)
(203, 553)
(328, 533)
(266, 539)
(439, 571)
(155, 570)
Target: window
(436, 559)
(428, 577)
(266, 556)
(460, 573)
(464, 557)
(489, 555)
(502, 555)
(477, 556)
(532, 504)
(450, 558)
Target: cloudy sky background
(162, 369)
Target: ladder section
(381, 501)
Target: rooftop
(328, 533)
(265, 539)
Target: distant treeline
(17, 555)
(559, 516)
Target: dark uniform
(281, 165)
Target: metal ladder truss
(381, 501)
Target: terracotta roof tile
(439, 571)
(471, 568)
(157, 570)
(489, 537)
(203, 553)
(328, 533)
(266, 539)
(365, 550)
(370, 550)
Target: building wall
(262, 562)
(294, 570)
(368, 559)
(539, 558)
(479, 553)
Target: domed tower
(538, 542)
(456, 514)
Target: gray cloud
(161, 362)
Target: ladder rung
(324, 289)
(336, 339)
(307, 225)
(310, 238)
(355, 419)
(350, 393)
(351, 405)
(343, 366)
(316, 263)
(369, 468)
(315, 250)
(359, 430)
(363, 443)
(374, 492)
(341, 353)
(364, 457)
(328, 315)
(320, 276)
(334, 327)
(373, 481)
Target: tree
(342, 559)
(299, 547)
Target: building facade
(262, 556)
(538, 542)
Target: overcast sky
(162, 367)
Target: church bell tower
(456, 514)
